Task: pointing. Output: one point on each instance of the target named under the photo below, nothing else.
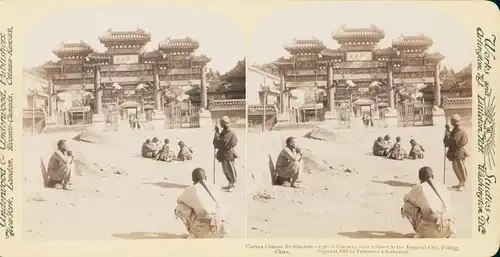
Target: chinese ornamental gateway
(125, 72)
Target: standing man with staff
(456, 140)
(225, 141)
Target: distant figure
(371, 120)
(456, 140)
(379, 147)
(60, 166)
(387, 141)
(185, 152)
(147, 149)
(416, 151)
(396, 153)
(225, 141)
(289, 164)
(200, 210)
(165, 154)
(365, 120)
(157, 145)
(428, 208)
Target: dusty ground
(347, 191)
(117, 194)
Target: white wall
(254, 81)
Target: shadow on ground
(394, 183)
(148, 235)
(375, 234)
(167, 185)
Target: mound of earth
(322, 133)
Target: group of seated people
(384, 147)
(153, 149)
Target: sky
(219, 38)
(319, 21)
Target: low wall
(255, 122)
(465, 115)
(237, 117)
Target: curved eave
(281, 62)
(115, 38)
(345, 35)
(434, 57)
(200, 59)
(179, 45)
(415, 42)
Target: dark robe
(379, 148)
(147, 150)
(225, 143)
(456, 141)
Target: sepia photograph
(133, 124)
(365, 110)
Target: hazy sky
(307, 21)
(219, 38)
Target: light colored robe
(429, 216)
(202, 216)
(60, 166)
(288, 164)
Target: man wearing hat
(456, 140)
(224, 142)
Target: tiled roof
(305, 45)
(332, 52)
(283, 61)
(227, 103)
(238, 71)
(97, 56)
(155, 54)
(457, 101)
(413, 41)
(72, 49)
(200, 59)
(176, 44)
(434, 56)
(138, 36)
(259, 108)
(352, 34)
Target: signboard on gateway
(126, 59)
(358, 56)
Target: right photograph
(359, 116)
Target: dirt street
(347, 192)
(116, 194)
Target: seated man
(201, 210)
(165, 154)
(60, 166)
(185, 152)
(379, 148)
(288, 164)
(428, 208)
(396, 153)
(388, 142)
(147, 149)
(416, 151)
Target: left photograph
(134, 124)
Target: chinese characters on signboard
(359, 56)
(126, 59)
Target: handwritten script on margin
(485, 53)
(6, 134)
